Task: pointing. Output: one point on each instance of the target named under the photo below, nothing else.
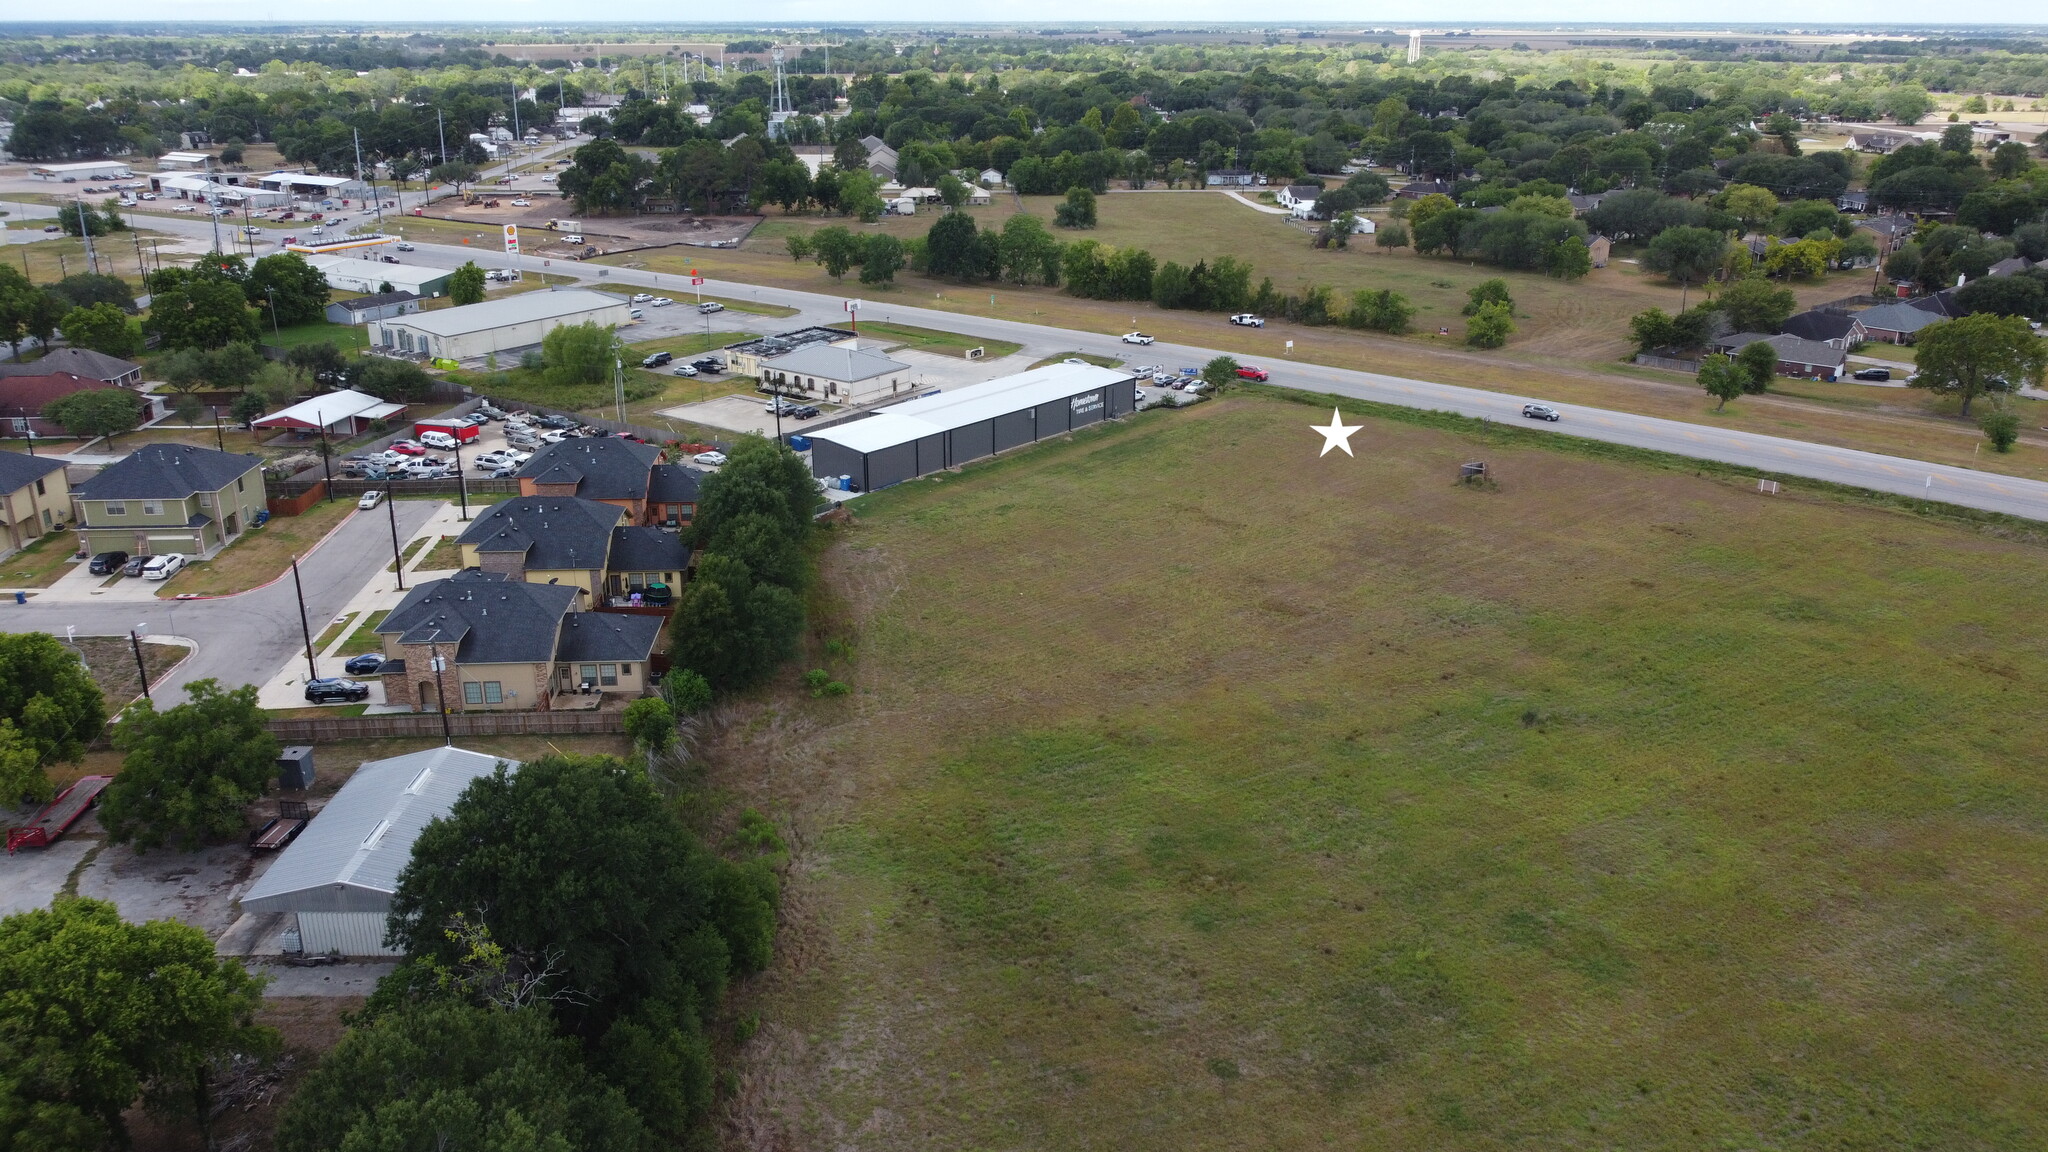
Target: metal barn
(934, 433)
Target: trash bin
(799, 443)
(846, 483)
(21, 597)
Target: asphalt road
(1894, 474)
(244, 638)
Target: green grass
(41, 563)
(446, 554)
(328, 634)
(529, 387)
(364, 638)
(1616, 806)
(412, 548)
(931, 340)
(347, 337)
(1092, 358)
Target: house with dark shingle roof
(34, 498)
(1896, 323)
(80, 362)
(1796, 356)
(23, 396)
(1834, 329)
(606, 469)
(574, 543)
(1889, 231)
(671, 495)
(169, 498)
(509, 644)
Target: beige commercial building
(495, 326)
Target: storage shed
(503, 325)
(933, 433)
(338, 877)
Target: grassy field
(261, 555)
(41, 563)
(48, 261)
(942, 343)
(1615, 806)
(347, 337)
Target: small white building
(182, 161)
(83, 170)
(337, 879)
(495, 326)
(842, 373)
(369, 276)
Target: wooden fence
(1648, 361)
(351, 489)
(402, 724)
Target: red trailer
(462, 430)
(59, 815)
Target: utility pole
(461, 481)
(441, 127)
(211, 205)
(312, 670)
(85, 230)
(440, 691)
(397, 556)
(376, 202)
(140, 669)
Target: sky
(1783, 13)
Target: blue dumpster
(800, 443)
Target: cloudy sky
(1784, 13)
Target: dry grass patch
(261, 554)
(1198, 792)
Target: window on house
(238, 482)
(116, 508)
(206, 500)
(586, 674)
(625, 669)
(494, 692)
(39, 489)
(608, 674)
(472, 692)
(152, 508)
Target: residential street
(241, 639)
(1894, 474)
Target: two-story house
(505, 644)
(35, 498)
(611, 470)
(169, 498)
(575, 543)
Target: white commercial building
(504, 325)
(175, 161)
(314, 187)
(83, 170)
(337, 879)
(345, 274)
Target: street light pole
(312, 669)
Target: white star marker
(1337, 435)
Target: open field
(1571, 335)
(48, 261)
(261, 555)
(111, 660)
(941, 343)
(347, 337)
(1615, 807)
(40, 563)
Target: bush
(2002, 429)
(1490, 326)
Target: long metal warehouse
(933, 433)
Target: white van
(440, 440)
(163, 567)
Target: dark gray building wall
(1086, 408)
(892, 466)
(931, 454)
(1052, 418)
(1012, 429)
(972, 442)
(829, 459)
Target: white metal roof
(348, 859)
(930, 415)
(306, 180)
(835, 362)
(331, 408)
(370, 273)
(182, 158)
(507, 311)
(84, 166)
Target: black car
(1873, 374)
(368, 664)
(107, 563)
(805, 412)
(708, 364)
(657, 360)
(329, 689)
(134, 566)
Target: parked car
(1136, 338)
(409, 448)
(368, 664)
(1541, 412)
(657, 359)
(660, 302)
(1165, 379)
(711, 364)
(1874, 374)
(710, 306)
(1253, 372)
(685, 370)
(779, 404)
(554, 436)
(134, 566)
(642, 297)
(147, 196)
(371, 499)
(329, 689)
(557, 420)
(389, 259)
(1247, 320)
(164, 567)
(522, 202)
(714, 459)
(402, 246)
(805, 412)
(505, 473)
(106, 563)
(441, 440)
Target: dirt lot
(608, 234)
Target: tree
(1907, 103)
(189, 770)
(96, 1012)
(400, 381)
(2001, 428)
(1382, 310)
(1978, 353)
(578, 354)
(1749, 204)
(953, 249)
(201, 312)
(1570, 259)
(952, 190)
(1028, 253)
(1759, 364)
(102, 328)
(84, 289)
(456, 172)
(1220, 373)
(1722, 378)
(2006, 296)
(799, 245)
(651, 724)
(1429, 208)
(96, 412)
(48, 699)
(444, 1074)
(837, 250)
(687, 692)
(320, 361)
(881, 259)
(1754, 304)
(1687, 255)
(1490, 326)
(287, 284)
(1391, 235)
(466, 284)
(1493, 291)
(1077, 211)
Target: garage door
(158, 545)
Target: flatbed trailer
(58, 815)
(280, 831)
